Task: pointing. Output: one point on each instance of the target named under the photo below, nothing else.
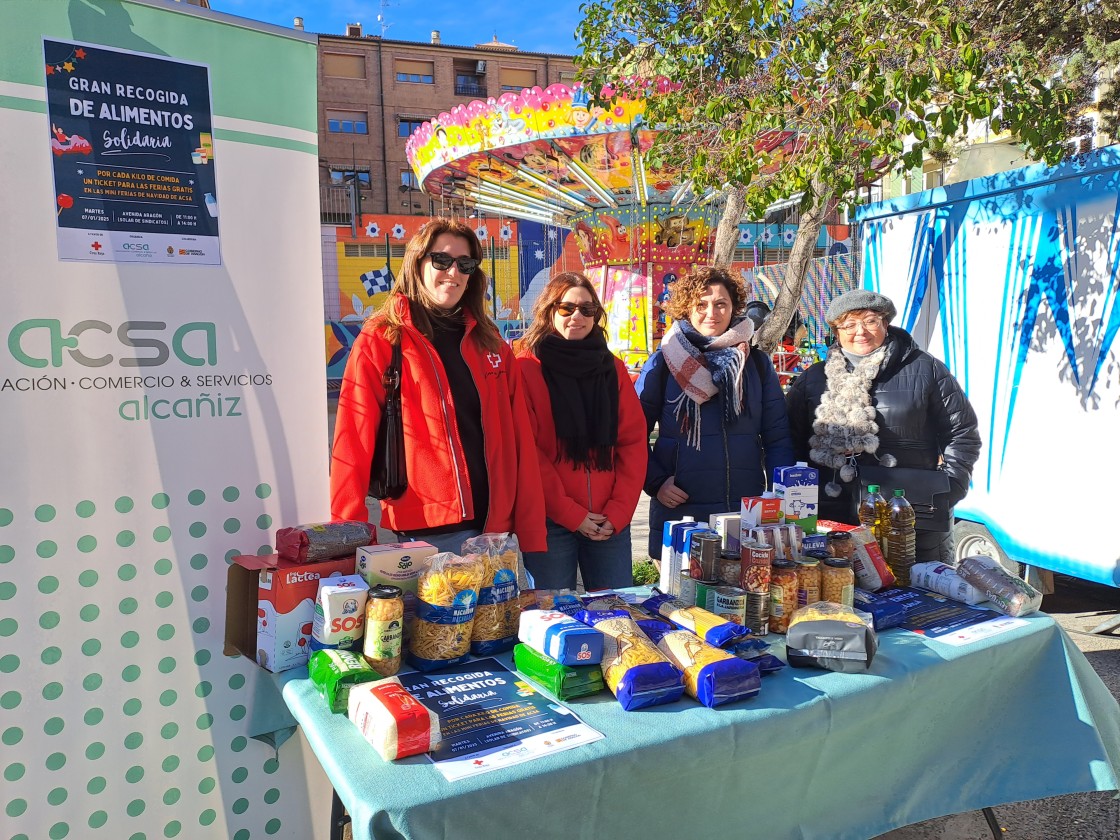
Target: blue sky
(533, 26)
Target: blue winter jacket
(733, 459)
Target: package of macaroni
(446, 595)
(711, 676)
(559, 600)
(561, 637)
(636, 672)
(565, 681)
(647, 621)
(757, 650)
(394, 722)
(323, 540)
(499, 607)
(707, 625)
(830, 636)
(1009, 594)
(335, 672)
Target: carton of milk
(727, 526)
(798, 488)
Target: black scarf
(583, 388)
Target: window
(409, 179)
(340, 177)
(347, 122)
(406, 126)
(514, 78)
(418, 72)
(363, 249)
(469, 84)
(344, 66)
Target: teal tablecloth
(929, 730)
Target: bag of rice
(499, 607)
(707, 625)
(636, 672)
(561, 637)
(394, 722)
(446, 595)
(712, 676)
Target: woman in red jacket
(471, 463)
(591, 439)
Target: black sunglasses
(587, 310)
(442, 261)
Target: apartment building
(373, 92)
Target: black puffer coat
(922, 413)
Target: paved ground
(1078, 607)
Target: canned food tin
(728, 602)
(703, 555)
(695, 592)
(758, 613)
(783, 594)
(755, 575)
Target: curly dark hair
(685, 293)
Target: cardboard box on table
(270, 606)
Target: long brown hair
(410, 285)
(545, 306)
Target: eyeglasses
(442, 261)
(587, 310)
(871, 322)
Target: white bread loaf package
(394, 722)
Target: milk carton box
(396, 564)
(286, 607)
(727, 526)
(755, 511)
(798, 488)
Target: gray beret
(858, 299)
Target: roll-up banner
(162, 409)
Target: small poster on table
(490, 717)
(132, 148)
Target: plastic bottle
(901, 538)
(873, 511)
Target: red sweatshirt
(572, 492)
(439, 490)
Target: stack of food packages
(646, 654)
(437, 608)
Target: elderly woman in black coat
(878, 399)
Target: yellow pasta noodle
(499, 607)
(447, 593)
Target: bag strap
(391, 378)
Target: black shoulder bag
(387, 476)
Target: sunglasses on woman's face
(587, 310)
(442, 261)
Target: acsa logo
(39, 342)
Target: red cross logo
(478, 762)
(96, 246)
(494, 359)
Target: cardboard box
(798, 488)
(755, 511)
(397, 564)
(727, 526)
(270, 606)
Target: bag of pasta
(446, 595)
(711, 676)
(707, 625)
(499, 608)
(636, 672)
(647, 621)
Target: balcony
(470, 89)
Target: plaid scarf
(705, 367)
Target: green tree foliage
(772, 102)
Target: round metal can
(728, 602)
(758, 613)
(783, 594)
(703, 556)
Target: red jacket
(439, 490)
(572, 492)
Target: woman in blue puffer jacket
(720, 412)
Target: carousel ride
(549, 156)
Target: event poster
(132, 148)
(490, 717)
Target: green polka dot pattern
(120, 718)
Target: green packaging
(565, 681)
(335, 672)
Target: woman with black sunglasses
(590, 436)
(470, 460)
